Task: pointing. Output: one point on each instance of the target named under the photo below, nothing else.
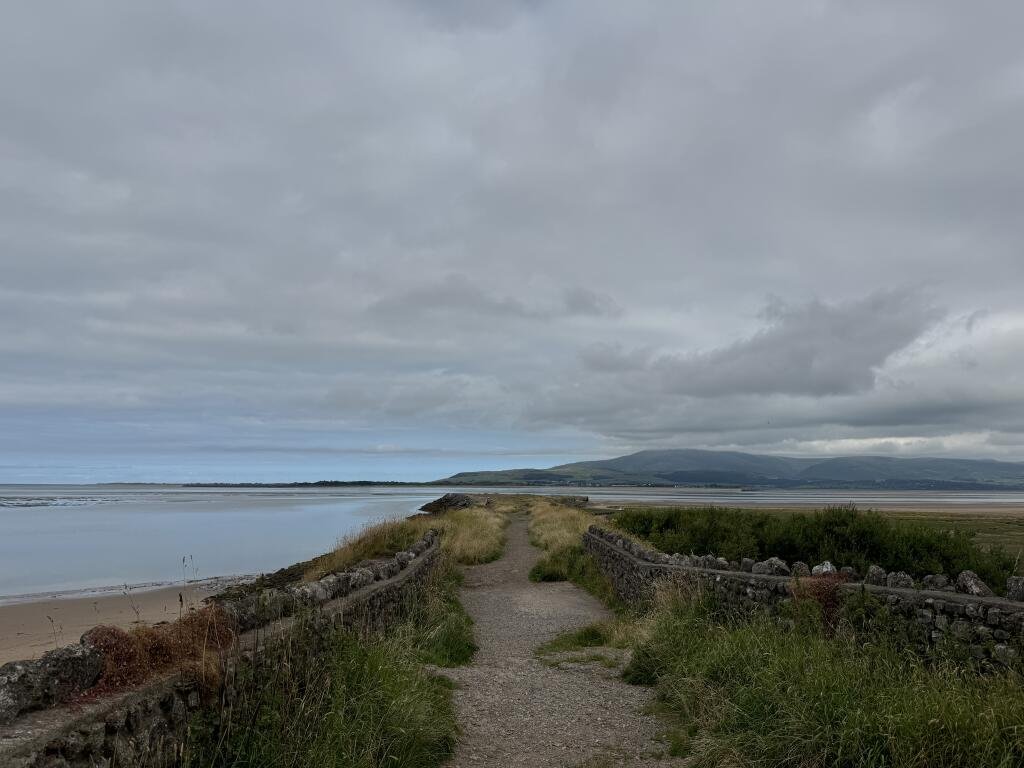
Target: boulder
(823, 569)
(747, 564)
(721, 564)
(1015, 588)
(801, 569)
(49, 680)
(970, 583)
(848, 573)
(773, 566)
(447, 502)
(938, 581)
(875, 575)
(900, 580)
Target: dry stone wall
(145, 726)
(992, 627)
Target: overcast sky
(400, 239)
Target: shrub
(844, 535)
(750, 690)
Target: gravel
(515, 709)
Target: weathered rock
(900, 580)
(773, 566)
(404, 558)
(447, 502)
(49, 680)
(747, 564)
(1015, 588)
(970, 583)
(937, 581)
(823, 569)
(848, 573)
(721, 564)
(801, 569)
(875, 575)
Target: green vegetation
(843, 535)
(472, 535)
(558, 530)
(357, 699)
(751, 690)
(347, 700)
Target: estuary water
(65, 539)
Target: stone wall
(992, 627)
(145, 726)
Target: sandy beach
(27, 632)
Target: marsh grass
(843, 535)
(752, 690)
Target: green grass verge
(844, 535)
(345, 699)
(574, 564)
(752, 691)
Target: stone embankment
(48, 718)
(963, 610)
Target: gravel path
(516, 710)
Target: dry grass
(472, 535)
(555, 527)
(191, 645)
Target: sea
(68, 540)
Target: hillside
(731, 468)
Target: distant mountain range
(689, 467)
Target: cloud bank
(528, 231)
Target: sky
(395, 239)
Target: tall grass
(344, 698)
(558, 530)
(844, 535)
(472, 535)
(750, 691)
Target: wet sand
(26, 631)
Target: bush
(360, 702)
(842, 535)
(344, 699)
(749, 690)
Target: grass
(348, 699)
(750, 691)
(472, 535)
(353, 699)
(558, 530)
(843, 535)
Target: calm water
(56, 538)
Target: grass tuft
(752, 690)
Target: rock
(49, 680)
(773, 566)
(747, 565)
(572, 501)
(447, 502)
(801, 569)
(848, 573)
(938, 581)
(823, 569)
(404, 558)
(970, 583)
(900, 580)
(876, 576)
(721, 564)
(1015, 588)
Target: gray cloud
(535, 224)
